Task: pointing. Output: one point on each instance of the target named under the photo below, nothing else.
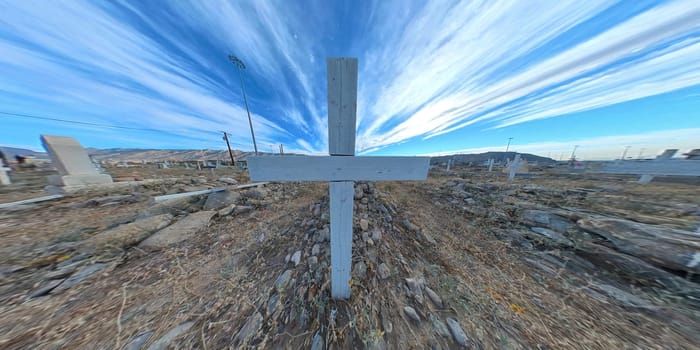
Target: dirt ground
(453, 251)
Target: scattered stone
(376, 235)
(283, 280)
(63, 272)
(240, 209)
(317, 343)
(313, 261)
(365, 236)
(296, 257)
(287, 258)
(126, 235)
(317, 210)
(179, 231)
(228, 180)
(439, 326)
(45, 289)
(163, 342)
(410, 226)
(414, 286)
(360, 270)
(78, 277)
(434, 297)
(383, 271)
(272, 304)
(324, 235)
(364, 200)
(427, 237)
(315, 250)
(139, 341)
(376, 342)
(227, 210)
(249, 329)
(220, 199)
(457, 333)
(370, 242)
(359, 193)
(411, 313)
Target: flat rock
(360, 270)
(45, 289)
(179, 231)
(296, 257)
(554, 236)
(439, 326)
(434, 297)
(228, 180)
(364, 224)
(78, 277)
(227, 210)
(315, 250)
(139, 341)
(661, 246)
(249, 329)
(283, 280)
(220, 199)
(127, 235)
(383, 271)
(163, 342)
(415, 286)
(411, 313)
(457, 332)
(376, 235)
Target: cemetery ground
(465, 259)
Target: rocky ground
(462, 260)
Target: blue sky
(435, 77)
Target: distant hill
(11, 152)
(151, 155)
(483, 157)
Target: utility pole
(624, 153)
(508, 146)
(573, 153)
(235, 60)
(641, 151)
(233, 161)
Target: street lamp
(240, 65)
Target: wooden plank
(342, 105)
(656, 167)
(337, 168)
(341, 201)
(30, 201)
(197, 193)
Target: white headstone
(72, 162)
(513, 167)
(341, 168)
(4, 177)
(490, 164)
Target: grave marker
(490, 164)
(663, 165)
(72, 162)
(4, 177)
(341, 168)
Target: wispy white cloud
(440, 85)
(603, 147)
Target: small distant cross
(341, 168)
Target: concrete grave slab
(72, 162)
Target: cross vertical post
(342, 114)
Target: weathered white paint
(341, 201)
(342, 105)
(337, 168)
(341, 168)
(30, 201)
(4, 177)
(514, 167)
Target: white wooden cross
(341, 168)
(4, 178)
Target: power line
(30, 116)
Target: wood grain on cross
(340, 168)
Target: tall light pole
(235, 60)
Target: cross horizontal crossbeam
(337, 168)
